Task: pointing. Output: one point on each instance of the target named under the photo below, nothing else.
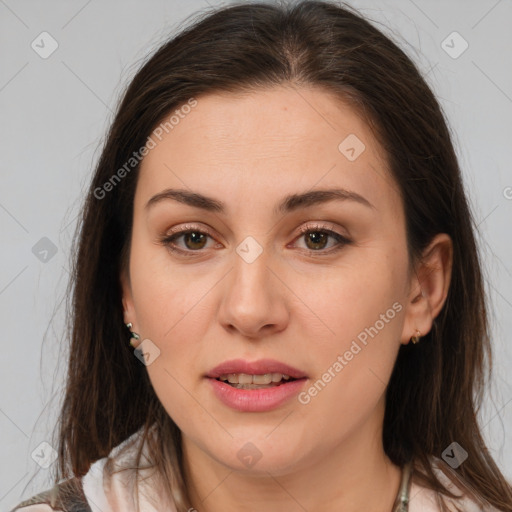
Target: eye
(316, 237)
(195, 239)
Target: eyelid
(303, 229)
(320, 226)
(177, 232)
(325, 227)
(189, 227)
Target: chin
(259, 457)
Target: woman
(278, 224)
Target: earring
(416, 338)
(133, 335)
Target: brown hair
(436, 387)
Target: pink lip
(255, 400)
(259, 367)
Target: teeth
(258, 379)
(243, 378)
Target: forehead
(246, 145)
(271, 118)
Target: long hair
(436, 387)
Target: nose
(254, 299)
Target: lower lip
(256, 400)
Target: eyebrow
(290, 202)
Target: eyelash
(168, 241)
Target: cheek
(168, 313)
(355, 333)
(350, 301)
(172, 311)
(163, 294)
(353, 365)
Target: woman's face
(247, 284)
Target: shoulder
(75, 494)
(67, 496)
(423, 499)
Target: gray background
(55, 112)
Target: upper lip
(259, 367)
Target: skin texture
(291, 303)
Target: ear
(428, 287)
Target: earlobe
(127, 301)
(128, 309)
(429, 287)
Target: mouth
(257, 386)
(246, 381)
(263, 372)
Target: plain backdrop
(56, 108)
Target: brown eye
(194, 240)
(317, 238)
